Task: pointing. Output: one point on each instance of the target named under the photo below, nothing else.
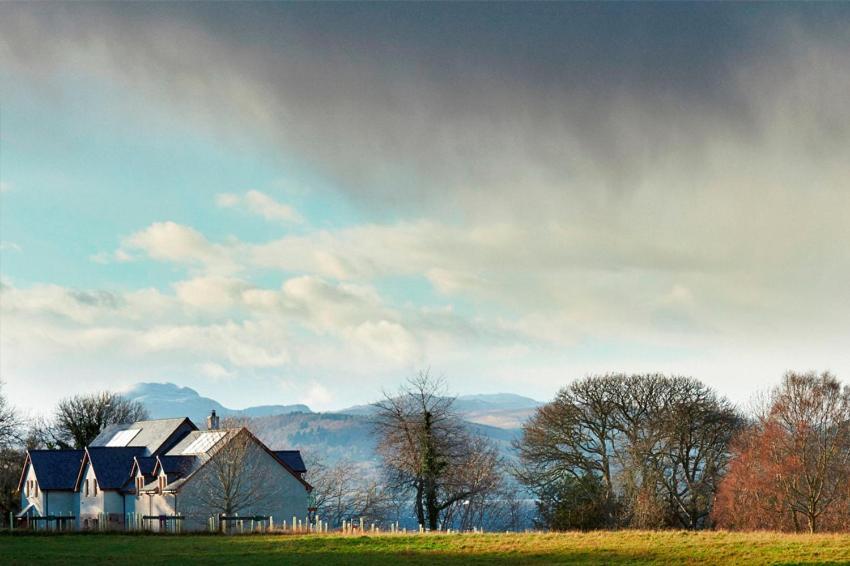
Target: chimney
(212, 421)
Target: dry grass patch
(617, 547)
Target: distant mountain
(164, 400)
(331, 437)
(501, 410)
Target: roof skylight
(123, 437)
(203, 443)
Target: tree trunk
(420, 510)
(431, 505)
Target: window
(35, 484)
(87, 488)
(161, 483)
(27, 488)
(94, 482)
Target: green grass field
(626, 547)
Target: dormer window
(87, 488)
(162, 482)
(35, 484)
(94, 482)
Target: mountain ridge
(336, 436)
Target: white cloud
(119, 256)
(389, 340)
(227, 200)
(9, 247)
(210, 292)
(318, 397)
(262, 205)
(265, 206)
(215, 371)
(172, 242)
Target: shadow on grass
(100, 548)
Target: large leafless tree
(618, 450)
(428, 451)
(78, 420)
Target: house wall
(91, 505)
(113, 502)
(280, 494)
(130, 501)
(61, 503)
(154, 505)
(31, 498)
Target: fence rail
(226, 524)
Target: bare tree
(231, 479)
(698, 429)
(615, 450)
(424, 445)
(478, 474)
(11, 454)
(568, 444)
(78, 420)
(802, 442)
(335, 490)
(10, 422)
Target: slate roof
(112, 465)
(178, 466)
(189, 439)
(152, 434)
(56, 469)
(292, 458)
(146, 464)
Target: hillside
(501, 410)
(333, 437)
(166, 400)
(340, 435)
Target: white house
(161, 469)
(47, 484)
(194, 480)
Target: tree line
(609, 451)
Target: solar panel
(204, 442)
(123, 437)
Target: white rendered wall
(283, 496)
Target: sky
(280, 203)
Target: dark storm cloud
(413, 101)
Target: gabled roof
(54, 469)
(199, 442)
(144, 464)
(177, 466)
(293, 459)
(152, 435)
(199, 460)
(112, 466)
